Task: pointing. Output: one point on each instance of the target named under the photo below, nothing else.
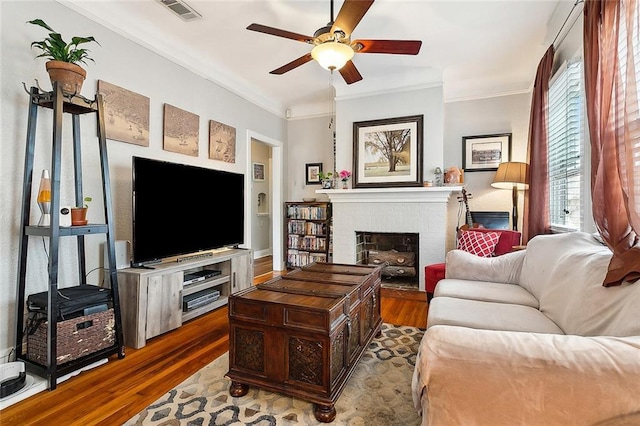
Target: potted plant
(326, 179)
(64, 58)
(79, 214)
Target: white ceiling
(473, 48)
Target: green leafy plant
(86, 201)
(325, 176)
(55, 48)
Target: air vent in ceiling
(181, 9)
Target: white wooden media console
(151, 300)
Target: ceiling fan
(333, 48)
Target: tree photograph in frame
(388, 152)
(485, 152)
(312, 173)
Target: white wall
(504, 114)
(311, 141)
(126, 64)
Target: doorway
(263, 193)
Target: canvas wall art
(126, 114)
(181, 131)
(222, 142)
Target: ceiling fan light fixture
(332, 55)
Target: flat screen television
(180, 209)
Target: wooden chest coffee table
(303, 333)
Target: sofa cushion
(565, 272)
(486, 292)
(488, 316)
(481, 244)
(501, 269)
(507, 240)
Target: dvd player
(201, 298)
(197, 276)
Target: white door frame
(277, 154)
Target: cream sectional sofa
(531, 338)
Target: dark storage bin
(76, 338)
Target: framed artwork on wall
(485, 152)
(312, 173)
(258, 172)
(388, 152)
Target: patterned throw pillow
(479, 243)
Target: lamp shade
(332, 55)
(509, 174)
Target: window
(566, 138)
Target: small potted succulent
(64, 58)
(79, 213)
(326, 180)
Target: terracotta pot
(70, 76)
(78, 216)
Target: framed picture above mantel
(485, 152)
(388, 152)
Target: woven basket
(77, 337)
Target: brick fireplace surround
(418, 210)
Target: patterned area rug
(378, 393)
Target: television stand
(152, 300)
(192, 257)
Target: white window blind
(565, 148)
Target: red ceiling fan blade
(279, 33)
(293, 64)
(350, 15)
(350, 73)
(399, 47)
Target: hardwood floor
(114, 392)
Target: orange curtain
(536, 199)
(614, 127)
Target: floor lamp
(512, 175)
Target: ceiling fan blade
(293, 64)
(279, 33)
(350, 15)
(350, 73)
(400, 47)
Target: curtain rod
(565, 23)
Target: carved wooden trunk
(302, 334)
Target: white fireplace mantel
(421, 210)
(433, 194)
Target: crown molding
(204, 70)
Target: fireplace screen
(396, 252)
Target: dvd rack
(308, 228)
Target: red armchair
(435, 272)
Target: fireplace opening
(396, 252)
